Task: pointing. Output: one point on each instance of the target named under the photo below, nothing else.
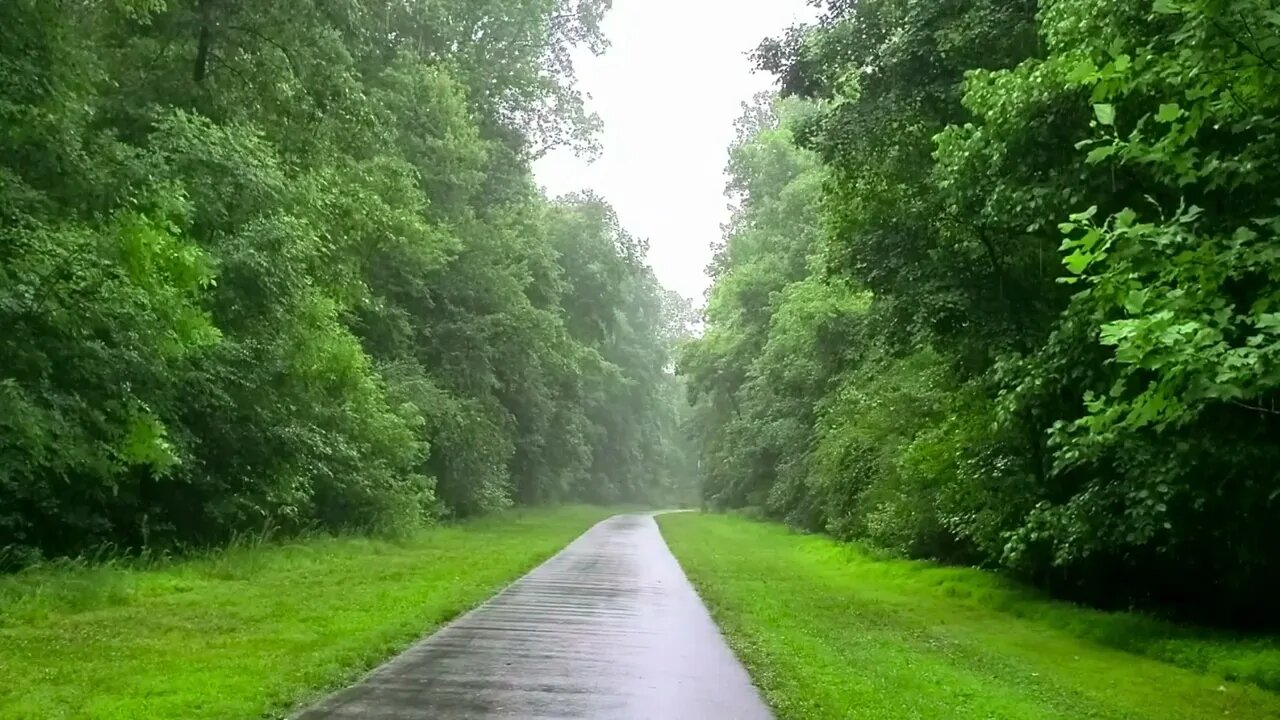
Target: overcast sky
(668, 91)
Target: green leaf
(1083, 71)
(1244, 235)
(1168, 112)
(1135, 301)
(1090, 239)
(1086, 214)
(1100, 153)
(1105, 112)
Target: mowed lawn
(251, 631)
(829, 631)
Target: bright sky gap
(668, 90)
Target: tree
(284, 265)
(1046, 250)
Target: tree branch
(1257, 408)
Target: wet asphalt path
(608, 628)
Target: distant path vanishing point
(608, 628)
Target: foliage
(1063, 218)
(284, 265)
(756, 371)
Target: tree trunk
(204, 9)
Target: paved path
(608, 628)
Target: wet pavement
(608, 628)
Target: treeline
(1003, 288)
(283, 264)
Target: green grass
(252, 630)
(829, 631)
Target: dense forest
(283, 265)
(1002, 287)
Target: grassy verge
(828, 631)
(250, 631)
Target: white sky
(668, 91)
